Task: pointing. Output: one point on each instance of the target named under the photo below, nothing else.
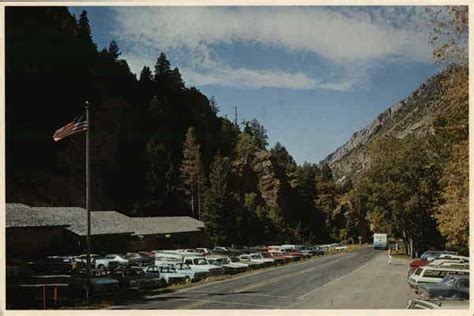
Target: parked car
(99, 262)
(201, 263)
(189, 252)
(278, 257)
(246, 258)
(168, 274)
(257, 256)
(137, 259)
(340, 247)
(452, 287)
(162, 257)
(118, 258)
(284, 254)
(449, 264)
(452, 257)
(220, 250)
(251, 265)
(433, 254)
(436, 261)
(225, 262)
(415, 264)
(136, 279)
(428, 274)
(204, 251)
(314, 250)
(194, 274)
(434, 304)
(99, 282)
(293, 253)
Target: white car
(201, 263)
(166, 257)
(254, 258)
(118, 258)
(445, 263)
(447, 256)
(189, 252)
(436, 304)
(204, 251)
(430, 274)
(168, 274)
(194, 274)
(227, 264)
(257, 256)
(99, 262)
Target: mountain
(413, 116)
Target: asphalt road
(282, 287)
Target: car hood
(235, 265)
(173, 275)
(206, 267)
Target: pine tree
(218, 205)
(145, 75)
(84, 29)
(192, 172)
(114, 50)
(257, 131)
(162, 66)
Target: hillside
(411, 117)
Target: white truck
(380, 241)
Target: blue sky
(312, 75)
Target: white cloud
(250, 78)
(343, 37)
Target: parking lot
(319, 277)
(299, 285)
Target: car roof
(428, 267)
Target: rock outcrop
(413, 116)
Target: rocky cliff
(411, 117)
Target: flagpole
(88, 199)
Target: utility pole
(235, 117)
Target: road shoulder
(375, 285)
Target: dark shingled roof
(165, 225)
(104, 222)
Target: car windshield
(183, 266)
(167, 269)
(223, 260)
(152, 269)
(200, 261)
(256, 257)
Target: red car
(279, 258)
(288, 255)
(415, 264)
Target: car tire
(187, 280)
(101, 267)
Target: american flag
(77, 125)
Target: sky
(311, 75)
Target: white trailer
(380, 241)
